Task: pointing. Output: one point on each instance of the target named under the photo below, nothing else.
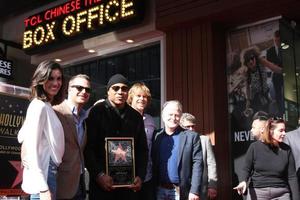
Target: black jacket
(106, 121)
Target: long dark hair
(39, 78)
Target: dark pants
(96, 193)
(81, 191)
(147, 192)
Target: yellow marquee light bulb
(27, 41)
(35, 34)
(92, 16)
(107, 7)
(101, 14)
(126, 5)
(69, 19)
(50, 33)
(80, 20)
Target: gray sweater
(270, 167)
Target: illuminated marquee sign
(79, 19)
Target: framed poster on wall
(255, 83)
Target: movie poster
(255, 83)
(12, 115)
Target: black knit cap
(117, 78)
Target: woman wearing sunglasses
(270, 166)
(42, 135)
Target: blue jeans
(166, 194)
(51, 181)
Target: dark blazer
(69, 171)
(273, 57)
(292, 138)
(106, 121)
(189, 161)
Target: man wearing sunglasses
(110, 119)
(70, 176)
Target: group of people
(60, 139)
(270, 170)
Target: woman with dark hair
(271, 165)
(42, 135)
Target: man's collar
(74, 109)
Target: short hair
(134, 88)
(176, 102)
(84, 76)
(266, 136)
(261, 116)
(187, 117)
(39, 78)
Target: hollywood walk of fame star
(17, 165)
(120, 153)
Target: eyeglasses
(80, 88)
(116, 88)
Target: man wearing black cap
(110, 119)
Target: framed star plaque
(120, 160)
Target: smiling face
(171, 117)
(117, 95)
(53, 84)
(139, 100)
(79, 91)
(278, 133)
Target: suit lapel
(70, 121)
(182, 141)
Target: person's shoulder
(148, 116)
(204, 138)
(100, 106)
(189, 133)
(256, 144)
(37, 104)
(284, 146)
(133, 112)
(59, 107)
(157, 132)
(149, 119)
(293, 133)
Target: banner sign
(6, 68)
(79, 19)
(254, 84)
(12, 115)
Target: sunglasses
(117, 88)
(80, 88)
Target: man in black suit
(114, 118)
(177, 158)
(274, 56)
